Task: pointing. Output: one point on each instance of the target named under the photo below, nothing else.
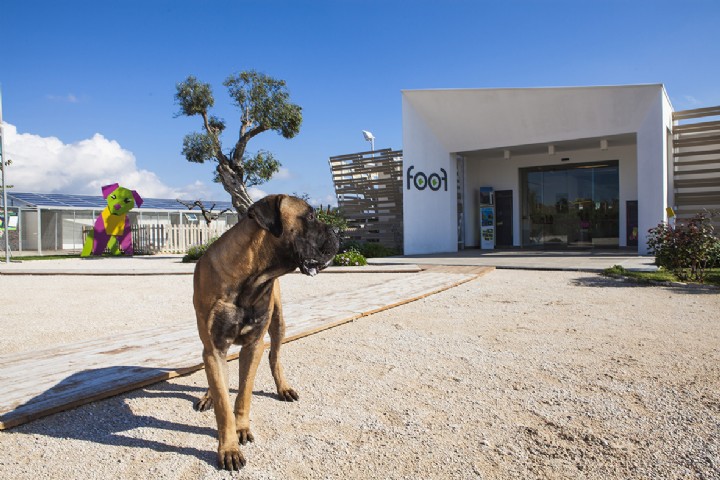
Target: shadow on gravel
(605, 282)
(112, 421)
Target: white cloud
(69, 98)
(323, 201)
(256, 194)
(282, 174)
(47, 165)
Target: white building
(584, 166)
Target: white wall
(653, 184)
(429, 216)
(504, 174)
(437, 124)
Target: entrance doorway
(504, 218)
(571, 205)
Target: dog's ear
(108, 189)
(266, 212)
(138, 198)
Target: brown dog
(237, 299)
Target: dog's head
(120, 200)
(312, 244)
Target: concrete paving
(148, 265)
(525, 259)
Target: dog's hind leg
(277, 333)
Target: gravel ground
(518, 374)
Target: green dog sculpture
(112, 227)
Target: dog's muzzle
(321, 257)
(313, 267)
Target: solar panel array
(69, 201)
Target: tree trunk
(232, 183)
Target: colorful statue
(112, 227)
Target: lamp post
(370, 138)
(4, 190)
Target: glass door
(576, 206)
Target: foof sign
(422, 181)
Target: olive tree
(264, 105)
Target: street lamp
(3, 164)
(370, 138)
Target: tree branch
(206, 213)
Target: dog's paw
(230, 458)
(203, 404)
(288, 395)
(244, 435)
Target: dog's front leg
(277, 333)
(229, 455)
(249, 359)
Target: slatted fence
(696, 151)
(368, 186)
(151, 239)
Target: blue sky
(88, 86)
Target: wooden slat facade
(696, 162)
(368, 186)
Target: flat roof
(97, 202)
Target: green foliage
(371, 249)
(193, 97)
(614, 270)
(198, 147)
(641, 277)
(712, 276)
(265, 103)
(260, 168)
(375, 250)
(688, 249)
(349, 258)
(332, 217)
(196, 251)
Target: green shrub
(332, 217)
(194, 253)
(688, 249)
(375, 250)
(615, 270)
(349, 258)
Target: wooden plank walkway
(40, 383)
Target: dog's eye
(113, 197)
(311, 216)
(127, 200)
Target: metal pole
(6, 224)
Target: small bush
(369, 249)
(349, 258)
(194, 253)
(615, 270)
(332, 217)
(688, 249)
(375, 250)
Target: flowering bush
(687, 249)
(349, 258)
